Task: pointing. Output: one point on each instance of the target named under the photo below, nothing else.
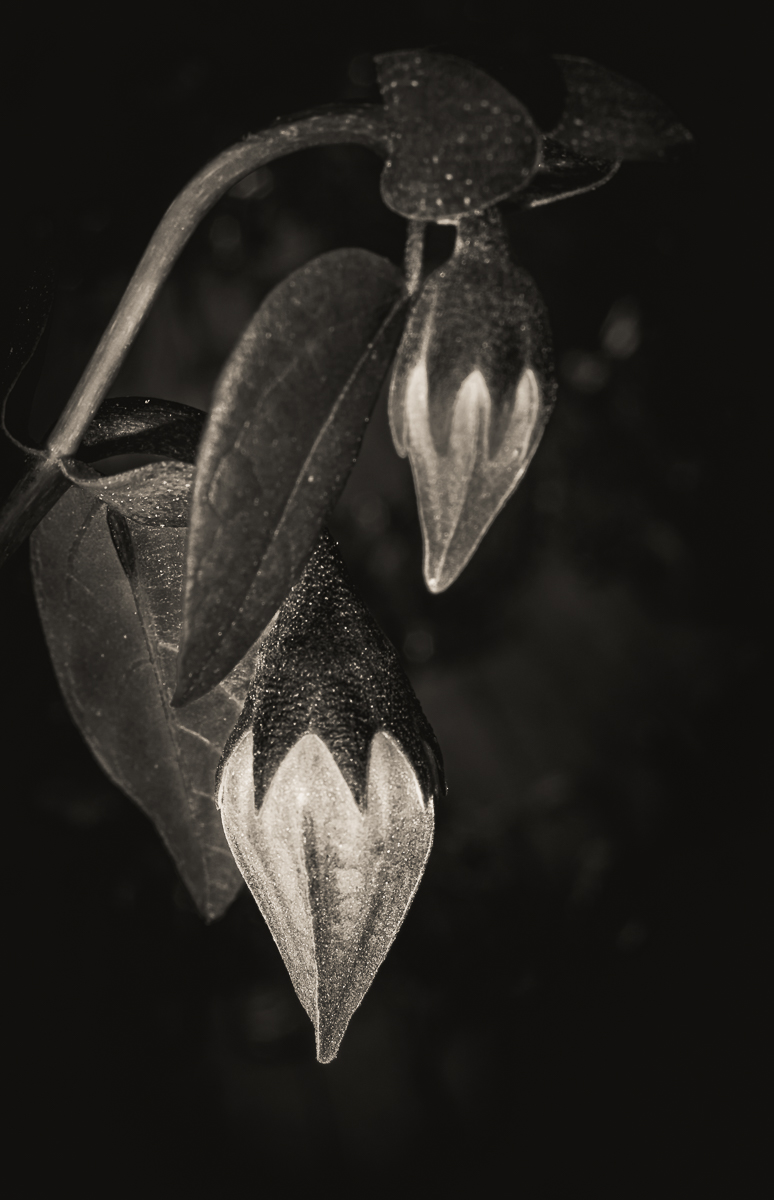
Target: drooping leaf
(157, 493)
(112, 624)
(127, 425)
(460, 141)
(143, 425)
(154, 495)
(563, 173)
(287, 420)
(610, 118)
(326, 792)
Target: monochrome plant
(206, 638)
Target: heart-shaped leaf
(287, 420)
(610, 118)
(109, 596)
(460, 141)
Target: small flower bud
(326, 793)
(471, 393)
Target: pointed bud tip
(437, 585)
(328, 1039)
(440, 573)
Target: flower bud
(471, 392)
(326, 793)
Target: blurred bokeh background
(569, 1007)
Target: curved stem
(177, 225)
(363, 124)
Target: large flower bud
(471, 392)
(326, 793)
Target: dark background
(571, 1007)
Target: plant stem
(362, 124)
(415, 245)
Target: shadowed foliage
(287, 420)
(108, 593)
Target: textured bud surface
(326, 793)
(471, 393)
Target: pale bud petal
(490, 482)
(442, 481)
(333, 882)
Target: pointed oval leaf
(112, 625)
(608, 117)
(286, 424)
(460, 141)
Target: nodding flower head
(326, 791)
(471, 392)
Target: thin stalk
(362, 124)
(414, 253)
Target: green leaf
(460, 141)
(610, 118)
(287, 420)
(112, 626)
